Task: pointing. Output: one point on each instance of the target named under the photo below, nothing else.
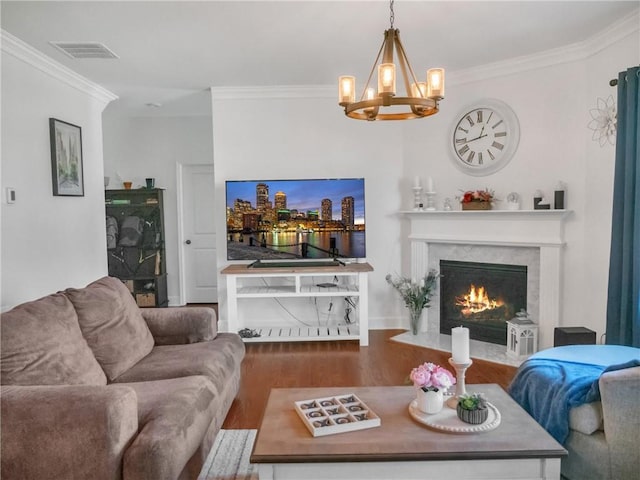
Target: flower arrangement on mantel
(430, 376)
(477, 199)
(416, 295)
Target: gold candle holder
(461, 389)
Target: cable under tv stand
(274, 281)
(333, 263)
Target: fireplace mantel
(491, 227)
(539, 229)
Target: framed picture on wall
(66, 158)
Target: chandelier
(420, 100)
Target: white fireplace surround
(527, 237)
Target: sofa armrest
(621, 416)
(177, 326)
(51, 431)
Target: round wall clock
(485, 137)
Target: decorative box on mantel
(522, 338)
(476, 206)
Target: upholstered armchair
(603, 436)
(587, 398)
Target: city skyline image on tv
(301, 218)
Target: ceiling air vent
(84, 49)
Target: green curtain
(623, 304)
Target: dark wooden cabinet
(136, 243)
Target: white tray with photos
(336, 414)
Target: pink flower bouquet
(430, 376)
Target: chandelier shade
(420, 98)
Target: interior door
(199, 234)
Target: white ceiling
(171, 52)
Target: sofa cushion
(173, 417)
(112, 323)
(214, 359)
(66, 432)
(42, 345)
(586, 418)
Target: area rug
(229, 457)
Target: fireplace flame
(476, 301)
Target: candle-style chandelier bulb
(346, 89)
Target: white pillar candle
(430, 185)
(460, 344)
(416, 182)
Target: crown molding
(613, 33)
(577, 51)
(567, 54)
(281, 91)
(29, 55)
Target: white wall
(48, 243)
(141, 147)
(599, 163)
(552, 104)
(301, 132)
(257, 137)
(270, 138)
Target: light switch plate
(11, 195)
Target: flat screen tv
(302, 219)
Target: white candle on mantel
(460, 344)
(430, 185)
(416, 182)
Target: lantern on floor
(522, 336)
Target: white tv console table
(296, 281)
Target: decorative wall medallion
(604, 121)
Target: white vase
(430, 401)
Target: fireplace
(481, 297)
(534, 238)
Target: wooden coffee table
(401, 448)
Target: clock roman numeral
(498, 123)
(491, 155)
(461, 140)
(497, 145)
(470, 157)
(479, 116)
(470, 121)
(480, 160)
(501, 134)
(465, 131)
(463, 150)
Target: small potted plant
(472, 408)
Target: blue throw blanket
(548, 388)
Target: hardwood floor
(339, 364)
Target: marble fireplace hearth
(532, 238)
(439, 341)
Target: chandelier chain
(392, 15)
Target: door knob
(188, 242)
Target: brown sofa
(94, 387)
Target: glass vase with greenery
(416, 294)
